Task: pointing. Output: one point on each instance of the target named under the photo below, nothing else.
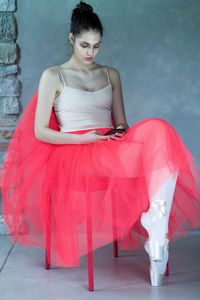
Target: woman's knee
(159, 123)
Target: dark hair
(83, 19)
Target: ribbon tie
(160, 206)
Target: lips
(89, 58)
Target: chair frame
(90, 258)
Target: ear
(71, 38)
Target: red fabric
(108, 182)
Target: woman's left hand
(117, 136)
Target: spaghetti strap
(61, 75)
(107, 75)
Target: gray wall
(153, 43)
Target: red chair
(90, 252)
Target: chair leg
(47, 259)
(167, 269)
(48, 239)
(90, 272)
(115, 249)
(167, 266)
(90, 249)
(115, 243)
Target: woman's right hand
(93, 136)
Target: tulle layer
(100, 188)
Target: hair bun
(82, 6)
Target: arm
(48, 84)
(118, 110)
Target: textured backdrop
(153, 43)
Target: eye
(85, 46)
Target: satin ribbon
(160, 206)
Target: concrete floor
(23, 275)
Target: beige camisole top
(78, 109)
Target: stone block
(7, 5)
(8, 70)
(6, 133)
(9, 87)
(10, 105)
(8, 122)
(8, 27)
(8, 53)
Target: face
(86, 46)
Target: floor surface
(23, 276)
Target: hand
(93, 136)
(117, 135)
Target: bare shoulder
(114, 75)
(49, 79)
(113, 71)
(49, 74)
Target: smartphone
(114, 130)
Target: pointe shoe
(154, 221)
(158, 268)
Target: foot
(154, 221)
(158, 268)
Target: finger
(104, 137)
(119, 134)
(114, 137)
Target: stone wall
(9, 83)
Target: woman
(63, 161)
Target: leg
(155, 221)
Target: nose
(90, 52)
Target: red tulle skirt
(107, 184)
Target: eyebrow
(89, 43)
